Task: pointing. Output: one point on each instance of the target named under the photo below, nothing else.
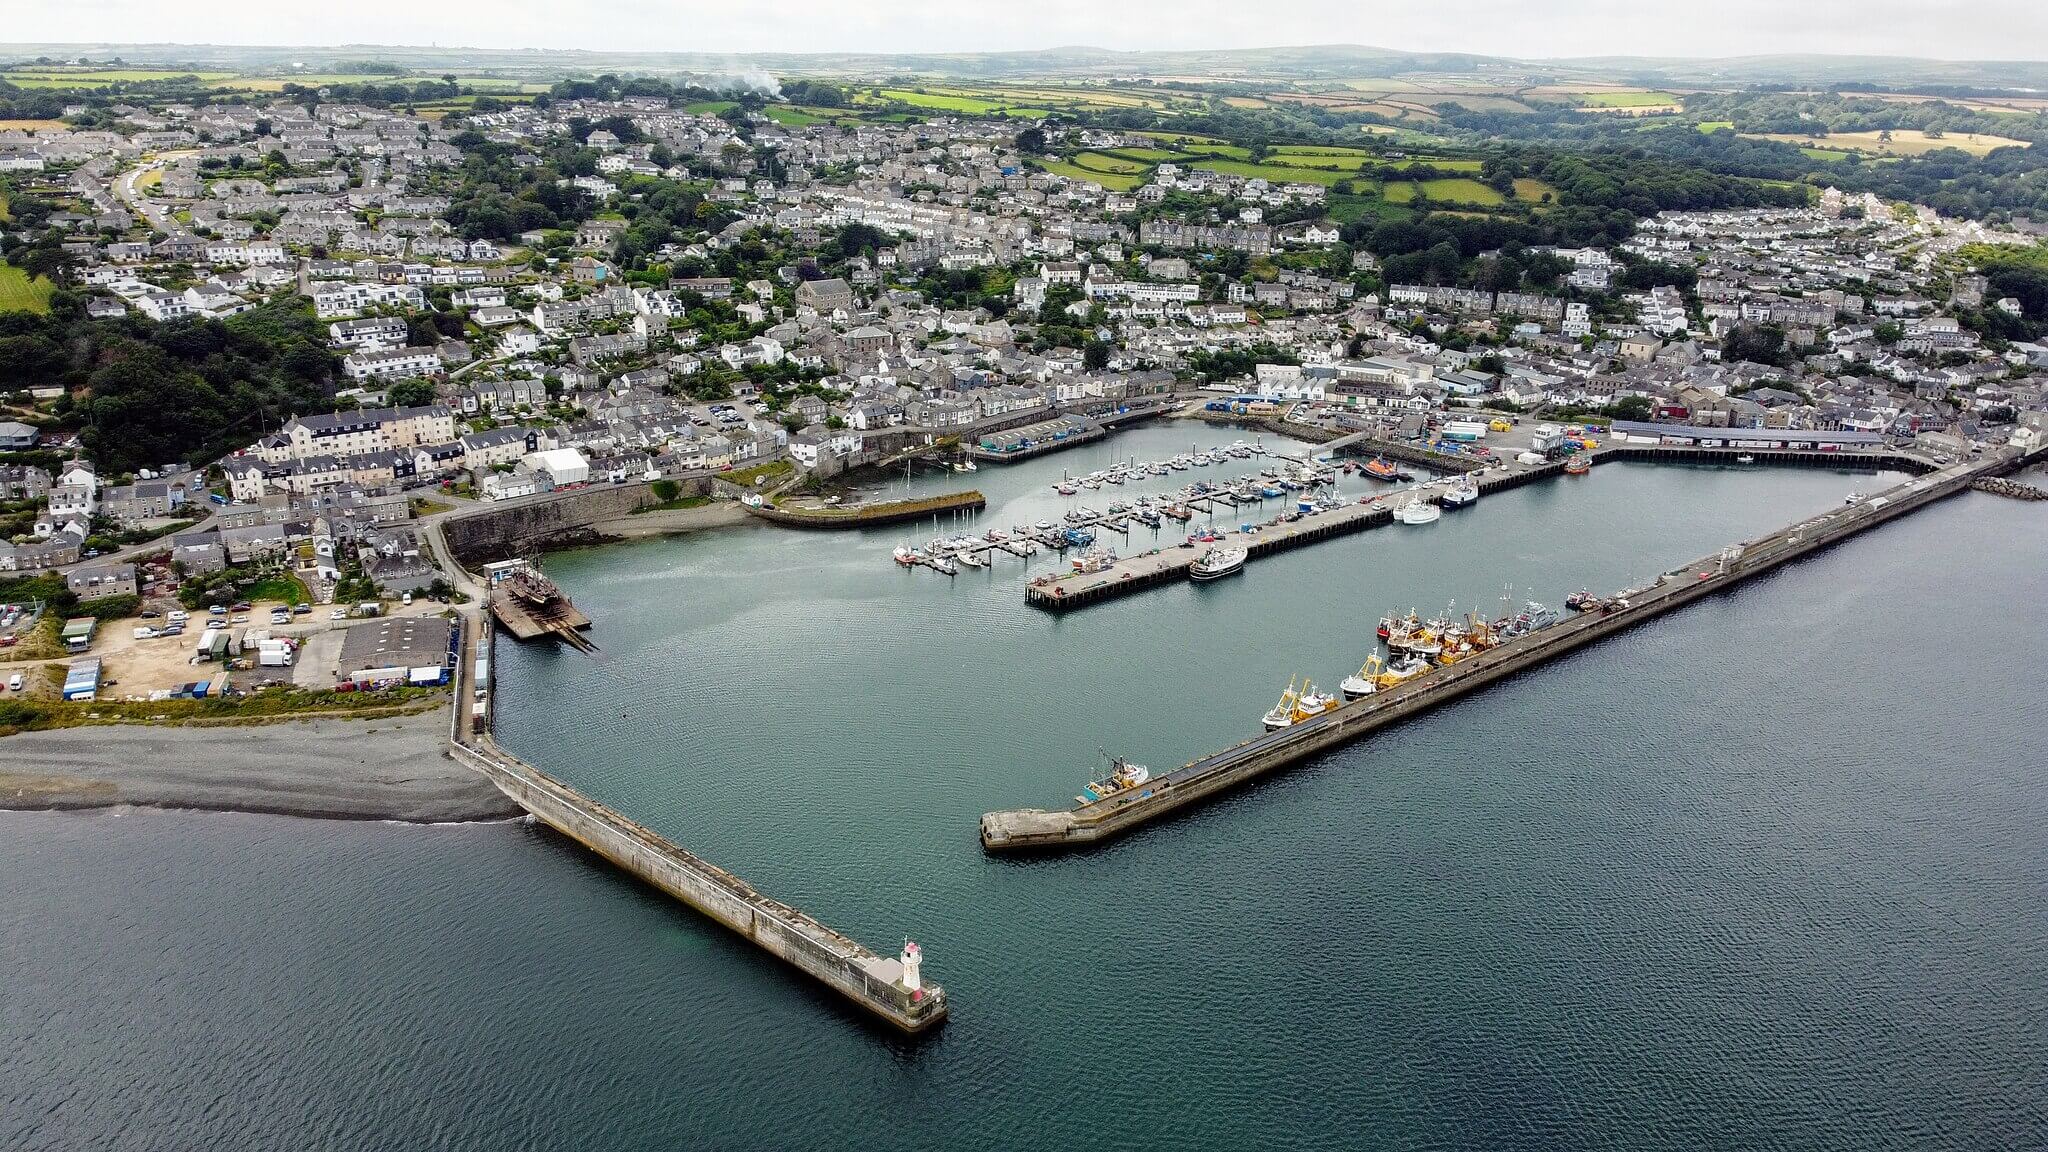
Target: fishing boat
(943, 566)
(1080, 537)
(1854, 498)
(1094, 560)
(1461, 492)
(1418, 512)
(1365, 683)
(908, 556)
(968, 559)
(1380, 468)
(1581, 600)
(1391, 624)
(1424, 643)
(1217, 563)
(1123, 777)
(1745, 459)
(1401, 671)
(1282, 714)
(1578, 464)
(1311, 703)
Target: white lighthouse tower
(911, 958)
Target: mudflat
(387, 768)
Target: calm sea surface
(1767, 873)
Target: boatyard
(1132, 796)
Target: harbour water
(1763, 874)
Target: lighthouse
(911, 958)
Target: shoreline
(671, 522)
(388, 768)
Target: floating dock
(1093, 822)
(528, 621)
(1170, 564)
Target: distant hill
(1324, 61)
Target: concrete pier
(880, 985)
(1090, 823)
(891, 989)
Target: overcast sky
(1950, 29)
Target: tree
(410, 393)
(1031, 140)
(1630, 408)
(1761, 343)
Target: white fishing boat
(1463, 491)
(1282, 714)
(1217, 563)
(1418, 512)
(1123, 777)
(1365, 683)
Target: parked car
(301, 609)
(14, 682)
(405, 599)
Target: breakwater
(890, 989)
(1092, 822)
(2011, 489)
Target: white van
(14, 682)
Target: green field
(1898, 142)
(1441, 163)
(1146, 155)
(1275, 173)
(796, 117)
(19, 294)
(43, 77)
(1290, 152)
(1636, 98)
(1451, 191)
(1176, 139)
(1715, 125)
(965, 105)
(1107, 162)
(1114, 181)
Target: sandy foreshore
(389, 768)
